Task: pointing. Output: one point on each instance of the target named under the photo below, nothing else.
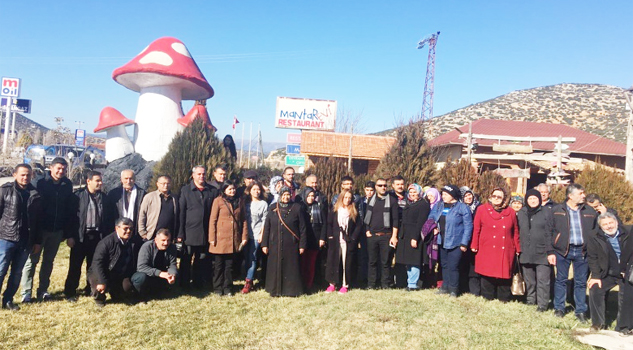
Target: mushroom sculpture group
(164, 74)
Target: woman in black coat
(536, 227)
(410, 247)
(343, 230)
(316, 220)
(284, 240)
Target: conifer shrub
(459, 173)
(196, 145)
(489, 180)
(329, 171)
(613, 189)
(410, 156)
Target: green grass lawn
(390, 319)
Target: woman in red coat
(496, 242)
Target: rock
(143, 169)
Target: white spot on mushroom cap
(157, 57)
(181, 49)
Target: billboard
(10, 87)
(20, 106)
(305, 114)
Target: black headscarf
(532, 192)
(313, 209)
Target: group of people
(396, 235)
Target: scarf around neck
(386, 215)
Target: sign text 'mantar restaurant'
(303, 113)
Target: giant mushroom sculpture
(118, 144)
(164, 74)
(198, 111)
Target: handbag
(518, 284)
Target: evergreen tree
(329, 172)
(489, 180)
(459, 173)
(613, 189)
(196, 145)
(410, 156)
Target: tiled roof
(585, 142)
(322, 143)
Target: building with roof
(528, 149)
(367, 150)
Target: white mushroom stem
(118, 144)
(156, 119)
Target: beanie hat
(453, 191)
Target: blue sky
(361, 53)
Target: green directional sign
(295, 161)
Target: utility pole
(469, 142)
(6, 124)
(559, 146)
(628, 168)
(429, 82)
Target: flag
(235, 121)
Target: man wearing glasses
(159, 210)
(381, 220)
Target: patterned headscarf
(417, 187)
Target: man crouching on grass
(113, 264)
(156, 267)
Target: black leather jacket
(11, 215)
(107, 255)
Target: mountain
(598, 109)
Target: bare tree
(348, 121)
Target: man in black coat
(608, 254)
(575, 224)
(20, 215)
(113, 263)
(94, 220)
(545, 190)
(196, 199)
(127, 198)
(56, 191)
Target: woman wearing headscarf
(228, 234)
(284, 240)
(516, 203)
(343, 231)
(496, 243)
(471, 281)
(409, 250)
(536, 228)
(455, 227)
(276, 182)
(432, 196)
(316, 220)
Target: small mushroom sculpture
(198, 111)
(118, 144)
(164, 73)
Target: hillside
(598, 109)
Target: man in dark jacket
(56, 191)
(219, 176)
(594, 201)
(196, 199)
(20, 215)
(545, 190)
(575, 224)
(93, 222)
(113, 263)
(127, 198)
(381, 229)
(156, 265)
(607, 254)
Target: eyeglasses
(381, 185)
(494, 196)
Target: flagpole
(250, 140)
(234, 119)
(242, 146)
(259, 137)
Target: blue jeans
(449, 258)
(250, 253)
(12, 254)
(413, 275)
(581, 272)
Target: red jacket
(496, 239)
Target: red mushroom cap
(166, 61)
(110, 117)
(198, 111)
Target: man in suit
(127, 198)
